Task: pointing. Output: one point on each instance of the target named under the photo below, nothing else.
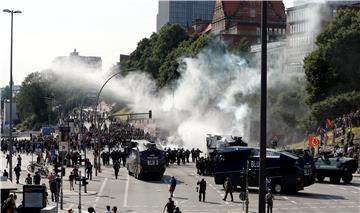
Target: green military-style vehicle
(336, 168)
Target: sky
(47, 29)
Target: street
(132, 195)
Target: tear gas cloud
(203, 101)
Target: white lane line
(354, 192)
(126, 191)
(354, 187)
(286, 198)
(100, 192)
(342, 188)
(294, 202)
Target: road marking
(294, 202)
(358, 188)
(126, 190)
(286, 198)
(354, 192)
(100, 192)
(342, 188)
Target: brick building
(234, 20)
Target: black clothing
(202, 189)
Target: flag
(329, 123)
(313, 141)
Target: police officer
(202, 189)
(269, 200)
(116, 168)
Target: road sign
(63, 146)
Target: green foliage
(334, 68)
(336, 106)
(5, 94)
(151, 53)
(31, 101)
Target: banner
(313, 141)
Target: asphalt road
(132, 195)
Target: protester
(202, 189)
(170, 206)
(228, 189)
(172, 186)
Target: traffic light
(150, 114)
(79, 159)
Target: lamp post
(262, 169)
(97, 126)
(11, 90)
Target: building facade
(235, 20)
(304, 23)
(183, 12)
(92, 63)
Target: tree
(31, 101)
(334, 68)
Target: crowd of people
(343, 137)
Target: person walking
(228, 189)
(116, 168)
(169, 206)
(269, 201)
(28, 179)
(89, 171)
(17, 171)
(37, 178)
(202, 189)
(91, 210)
(71, 181)
(5, 174)
(107, 209)
(172, 186)
(114, 209)
(7, 160)
(19, 159)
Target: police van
(286, 172)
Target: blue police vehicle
(285, 172)
(145, 159)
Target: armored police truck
(145, 159)
(286, 172)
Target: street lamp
(11, 90)
(97, 123)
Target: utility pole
(80, 192)
(61, 189)
(262, 169)
(247, 187)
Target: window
(252, 13)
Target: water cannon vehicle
(145, 159)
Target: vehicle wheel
(277, 188)
(334, 179)
(347, 178)
(320, 178)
